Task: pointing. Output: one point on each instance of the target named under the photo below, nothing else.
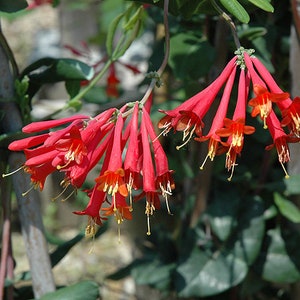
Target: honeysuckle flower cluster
(226, 135)
(121, 142)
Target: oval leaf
(187, 53)
(87, 290)
(287, 208)
(236, 9)
(201, 275)
(12, 5)
(263, 4)
(280, 261)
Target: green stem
(78, 97)
(229, 21)
(91, 84)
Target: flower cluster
(227, 135)
(120, 141)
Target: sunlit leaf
(236, 9)
(263, 4)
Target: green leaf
(153, 272)
(190, 56)
(292, 186)
(111, 33)
(60, 252)
(222, 213)
(263, 4)
(246, 242)
(87, 290)
(201, 275)
(12, 5)
(63, 249)
(236, 9)
(287, 208)
(280, 262)
(51, 70)
(72, 87)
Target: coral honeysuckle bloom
(45, 125)
(112, 83)
(164, 178)
(38, 174)
(112, 179)
(188, 116)
(118, 208)
(291, 117)
(149, 181)
(132, 164)
(73, 146)
(262, 103)
(280, 140)
(92, 210)
(235, 130)
(217, 123)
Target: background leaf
(287, 208)
(236, 9)
(263, 4)
(203, 275)
(190, 56)
(12, 5)
(87, 290)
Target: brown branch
(29, 208)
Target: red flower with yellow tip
(262, 103)
(291, 117)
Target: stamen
(205, 160)
(184, 137)
(30, 189)
(148, 225)
(285, 171)
(72, 193)
(232, 170)
(164, 132)
(55, 198)
(12, 172)
(129, 187)
(168, 207)
(59, 167)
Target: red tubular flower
(132, 165)
(164, 178)
(280, 140)
(27, 143)
(38, 174)
(236, 128)
(119, 209)
(262, 103)
(112, 180)
(112, 83)
(188, 116)
(218, 121)
(92, 210)
(149, 183)
(45, 125)
(291, 117)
